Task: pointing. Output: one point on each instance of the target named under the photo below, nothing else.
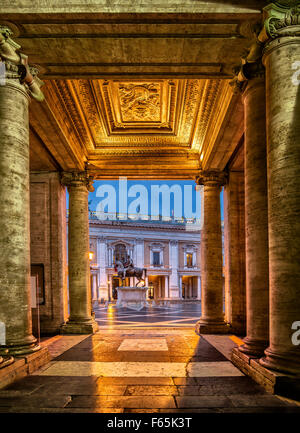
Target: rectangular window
(156, 258)
(189, 260)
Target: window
(120, 253)
(156, 258)
(189, 260)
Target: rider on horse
(129, 263)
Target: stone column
(173, 253)
(94, 287)
(234, 246)
(101, 255)
(80, 320)
(166, 286)
(281, 59)
(17, 85)
(212, 319)
(256, 212)
(180, 286)
(198, 287)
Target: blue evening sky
(94, 200)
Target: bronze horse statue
(132, 271)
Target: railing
(104, 216)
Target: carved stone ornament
(16, 64)
(78, 178)
(246, 72)
(281, 18)
(211, 177)
(277, 18)
(140, 101)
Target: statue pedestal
(132, 297)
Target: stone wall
(48, 246)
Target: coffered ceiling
(141, 123)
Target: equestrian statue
(127, 269)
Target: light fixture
(91, 255)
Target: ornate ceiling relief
(140, 102)
(139, 114)
(137, 107)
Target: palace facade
(169, 251)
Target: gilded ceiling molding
(16, 65)
(146, 150)
(105, 124)
(206, 111)
(71, 108)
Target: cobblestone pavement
(140, 370)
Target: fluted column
(212, 319)
(281, 59)
(80, 320)
(256, 212)
(16, 87)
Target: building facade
(169, 252)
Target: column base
(203, 327)
(7, 360)
(79, 327)
(253, 347)
(22, 348)
(274, 382)
(13, 369)
(279, 362)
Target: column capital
(14, 65)
(78, 178)
(282, 16)
(211, 177)
(280, 19)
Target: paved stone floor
(140, 370)
(182, 315)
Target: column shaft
(212, 319)
(80, 320)
(15, 305)
(256, 219)
(281, 60)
